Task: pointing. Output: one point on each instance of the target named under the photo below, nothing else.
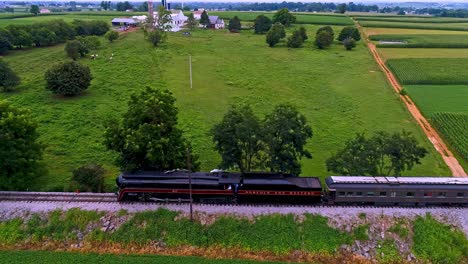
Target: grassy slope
(32, 257)
(340, 92)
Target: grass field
(430, 70)
(445, 20)
(437, 26)
(301, 18)
(439, 98)
(454, 127)
(340, 92)
(406, 31)
(399, 53)
(33, 257)
(422, 41)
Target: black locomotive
(227, 187)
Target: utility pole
(190, 68)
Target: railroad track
(57, 197)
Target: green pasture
(399, 53)
(410, 31)
(301, 18)
(33, 257)
(66, 18)
(341, 93)
(430, 70)
(437, 26)
(422, 41)
(444, 20)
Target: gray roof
(398, 180)
(124, 20)
(214, 20)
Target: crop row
(433, 26)
(422, 41)
(454, 127)
(430, 71)
(413, 19)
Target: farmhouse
(44, 11)
(216, 22)
(178, 18)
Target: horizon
(278, 1)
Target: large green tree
(68, 78)
(238, 139)
(341, 8)
(204, 19)
(5, 41)
(349, 32)
(295, 40)
(382, 154)
(323, 40)
(284, 17)
(262, 24)
(148, 137)
(20, 151)
(327, 29)
(8, 78)
(34, 10)
(285, 133)
(234, 24)
(191, 22)
(275, 34)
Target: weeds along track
(448, 157)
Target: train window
(349, 194)
(409, 194)
(370, 194)
(393, 194)
(442, 194)
(383, 193)
(460, 195)
(359, 193)
(341, 193)
(428, 194)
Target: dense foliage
(349, 32)
(89, 178)
(68, 78)
(111, 35)
(349, 43)
(20, 151)
(326, 29)
(382, 154)
(204, 19)
(275, 34)
(295, 40)
(191, 22)
(262, 24)
(8, 78)
(323, 40)
(284, 17)
(234, 24)
(277, 142)
(148, 136)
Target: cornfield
(454, 127)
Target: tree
(262, 24)
(234, 25)
(148, 137)
(42, 36)
(123, 6)
(111, 35)
(20, 152)
(204, 19)
(8, 78)
(156, 37)
(401, 13)
(285, 134)
(20, 36)
(349, 32)
(284, 17)
(105, 5)
(327, 29)
(383, 154)
(90, 177)
(349, 43)
(5, 41)
(341, 8)
(89, 43)
(295, 40)
(275, 34)
(143, 7)
(68, 78)
(323, 40)
(238, 138)
(303, 32)
(73, 48)
(191, 22)
(34, 10)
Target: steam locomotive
(260, 187)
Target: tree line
(48, 33)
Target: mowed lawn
(341, 93)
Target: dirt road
(436, 140)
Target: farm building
(216, 22)
(124, 22)
(44, 11)
(197, 14)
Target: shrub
(295, 40)
(156, 37)
(284, 17)
(349, 32)
(303, 32)
(112, 35)
(74, 48)
(69, 78)
(8, 78)
(275, 34)
(323, 40)
(5, 41)
(327, 29)
(90, 177)
(234, 24)
(89, 43)
(262, 24)
(349, 43)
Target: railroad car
(218, 187)
(409, 191)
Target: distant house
(44, 11)
(124, 22)
(216, 22)
(197, 14)
(178, 18)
